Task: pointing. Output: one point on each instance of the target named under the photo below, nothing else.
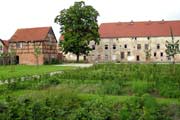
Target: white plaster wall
(102, 55)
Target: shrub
(141, 87)
(111, 88)
(142, 108)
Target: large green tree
(79, 27)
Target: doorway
(17, 60)
(137, 58)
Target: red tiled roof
(61, 37)
(5, 42)
(30, 34)
(139, 29)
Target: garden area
(100, 92)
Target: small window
(125, 46)
(122, 55)
(18, 45)
(158, 46)
(93, 47)
(146, 46)
(129, 53)
(114, 47)
(137, 58)
(155, 54)
(138, 46)
(135, 38)
(169, 58)
(161, 54)
(148, 38)
(84, 58)
(106, 47)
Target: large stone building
(131, 41)
(26, 40)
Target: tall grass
(141, 78)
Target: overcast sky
(37, 13)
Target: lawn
(25, 70)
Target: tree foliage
(79, 27)
(172, 48)
(37, 52)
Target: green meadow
(101, 92)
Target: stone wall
(126, 49)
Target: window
(138, 46)
(93, 47)
(148, 38)
(125, 46)
(169, 58)
(18, 45)
(155, 54)
(146, 46)
(161, 54)
(84, 58)
(135, 38)
(158, 46)
(137, 58)
(129, 53)
(122, 55)
(106, 47)
(114, 47)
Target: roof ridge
(155, 21)
(34, 27)
(140, 28)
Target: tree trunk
(37, 61)
(77, 60)
(174, 69)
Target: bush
(141, 87)
(111, 88)
(142, 108)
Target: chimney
(132, 22)
(162, 21)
